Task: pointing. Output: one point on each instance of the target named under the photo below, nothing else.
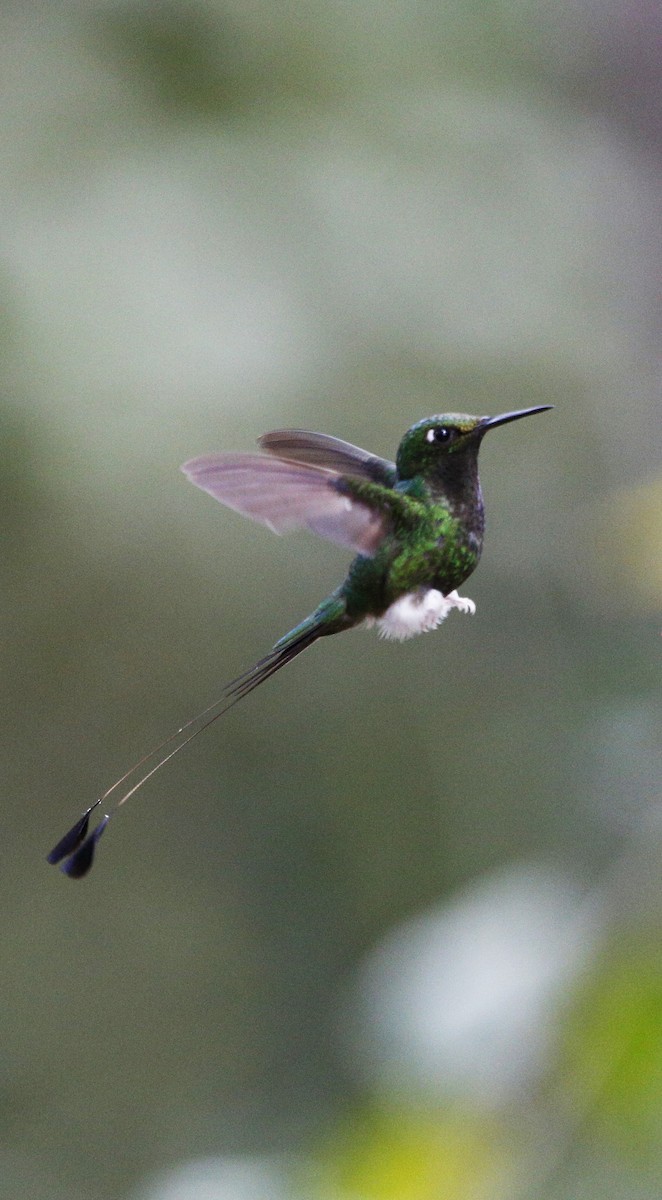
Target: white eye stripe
(429, 437)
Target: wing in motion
(283, 494)
(321, 450)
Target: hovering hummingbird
(416, 526)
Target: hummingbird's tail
(283, 653)
(75, 851)
(330, 617)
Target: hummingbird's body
(410, 584)
(416, 526)
(435, 545)
(417, 523)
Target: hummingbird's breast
(447, 548)
(461, 535)
(456, 557)
(440, 563)
(436, 551)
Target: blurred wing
(321, 450)
(287, 495)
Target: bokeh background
(391, 931)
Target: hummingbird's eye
(439, 433)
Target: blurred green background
(391, 931)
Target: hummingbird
(416, 528)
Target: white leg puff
(419, 612)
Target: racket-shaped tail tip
(72, 838)
(77, 865)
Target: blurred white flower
(461, 1000)
(217, 1179)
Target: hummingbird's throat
(417, 612)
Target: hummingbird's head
(443, 444)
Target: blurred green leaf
(615, 1040)
(411, 1154)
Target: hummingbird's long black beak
(504, 418)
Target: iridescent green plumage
(432, 508)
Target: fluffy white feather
(418, 612)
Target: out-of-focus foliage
(410, 1154)
(391, 930)
(630, 546)
(615, 1037)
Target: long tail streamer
(75, 851)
